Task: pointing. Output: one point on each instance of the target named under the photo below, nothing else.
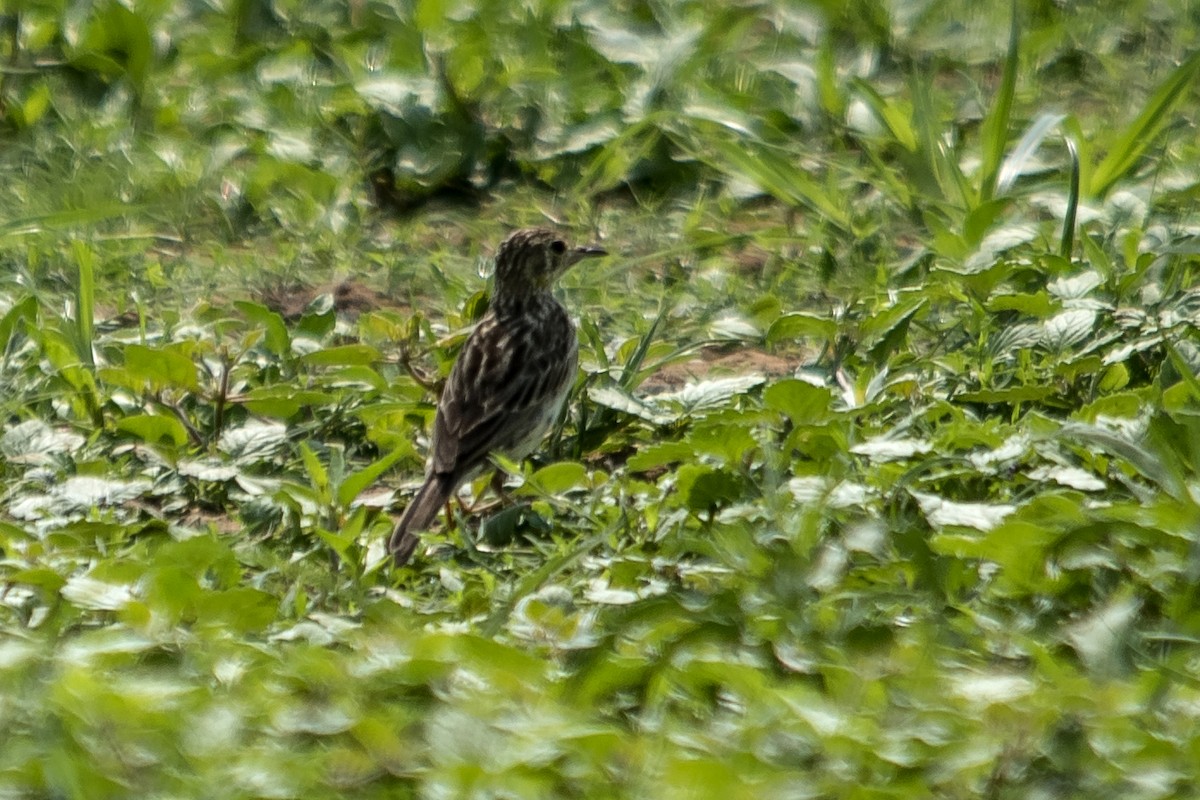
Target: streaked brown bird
(509, 382)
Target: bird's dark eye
(558, 247)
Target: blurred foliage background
(880, 475)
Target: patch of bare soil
(350, 298)
(717, 362)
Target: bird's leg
(478, 507)
(498, 487)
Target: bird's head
(531, 259)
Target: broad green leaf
(1068, 328)
(87, 592)
(618, 400)
(254, 441)
(277, 339)
(557, 478)
(344, 355)
(1114, 379)
(285, 401)
(154, 428)
(1099, 638)
(240, 609)
(1014, 394)
(706, 488)
(208, 469)
(33, 107)
(169, 367)
(802, 402)
(944, 513)
(1136, 453)
(340, 542)
(660, 454)
(887, 448)
(980, 220)
(34, 441)
(797, 325)
(25, 312)
(1034, 305)
(712, 393)
(885, 332)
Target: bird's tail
(430, 498)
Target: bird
(510, 379)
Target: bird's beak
(587, 251)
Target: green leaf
(154, 428)
(800, 401)
(66, 220)
(344, 355)
(1068, 328)
(558, 478)
(885, 331)
(981, 219)
(894, 118)
(770, 171)
(794, 326)
(632, 365)
(1015, 394)
(660, 454)
(1021, 156)
(1114, 379)
(85, 302)
(1150, 464)
(993, 134)
(1066, 246)
(711, 393)
(1034, 305)
(277, 339)
(614, 398)
(354, 483)
(284, 402)
(169, 367)
(1123, 154)
(829, 83)
(317, 473)
(241, 610)
(24, 311)
(340, 543)
(705, 488)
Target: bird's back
(507, 388)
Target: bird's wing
(501, 382)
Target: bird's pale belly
(538, 426)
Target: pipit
(509, 382)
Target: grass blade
(939, 167)
(85, 302)
(1020, 156)
(889, 115)
(761, 166)
(994, 133)
(1125, 152)
(629, 371)
(62, 220)
(1067, 245)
